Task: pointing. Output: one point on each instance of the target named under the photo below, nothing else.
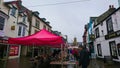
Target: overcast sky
(69, 16)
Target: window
(2, 21)
(113, 49)
(13, 11)
(102, 32)
(97, 32)
(118, 47)
(19, 31)
(37, 24)
(44, 27)
(24, 19)
(99, 50)
(36, 31)
(23, 33)
(0, 1)
(109, 24)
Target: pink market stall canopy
(41, 38)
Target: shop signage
(3, 41)
(112, 35)
(92, 37)
(14, 50)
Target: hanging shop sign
(92, 37)
(112, 35)
(14, 50)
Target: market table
(64, 64)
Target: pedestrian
(84, 59)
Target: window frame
(21, 30)
(0, 2)
(97, 34)
(99, 49)
(13, 11)
(109, 25)
(24, 18)
(113, 49)
(44, 27)
(37, 24)
(2, 23)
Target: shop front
(114, 44)
(8, 54)
(3, 53)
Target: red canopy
(40, 38)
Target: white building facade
(107, 33)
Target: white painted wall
(101, 40)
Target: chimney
(110, 6)
(119, 3)
(36, 13)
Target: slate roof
(105, 15)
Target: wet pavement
(25, 63)
(100, 64)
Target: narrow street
(59, 33)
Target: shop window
(99, 49)
(113, 49)
(109, 24)
(2, 21)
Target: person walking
(84, 59)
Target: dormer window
(13, 11)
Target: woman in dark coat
(84, 59)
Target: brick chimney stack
(111, 7)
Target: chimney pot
(110, 6)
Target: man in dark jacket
(83, 57)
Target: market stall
(41, 38)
